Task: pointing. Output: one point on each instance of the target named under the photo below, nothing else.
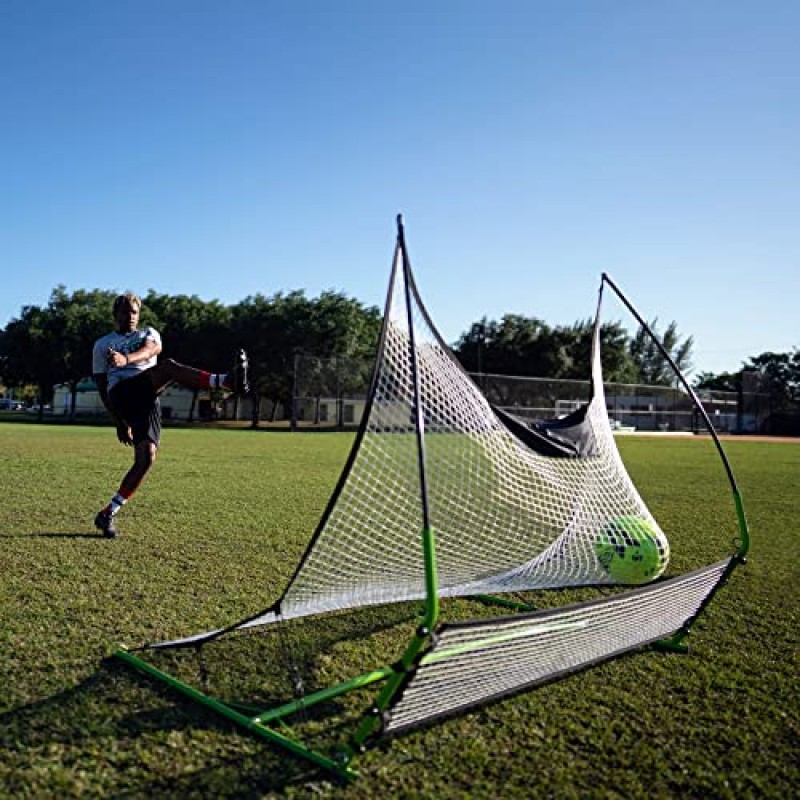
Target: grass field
(214, 535)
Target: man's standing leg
(144, 457)
(138, 404)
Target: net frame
(399, 676)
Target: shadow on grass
(93, 721)
(40, 535)
(153, 742)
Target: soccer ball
(632, 550)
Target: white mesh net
(461, 670)
(505, 517)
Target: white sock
(117, 501)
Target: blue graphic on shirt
(125, 343)
(131, 342)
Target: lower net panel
(475, 662)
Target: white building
(176, 402)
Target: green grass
(214, 535)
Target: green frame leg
(255, 724)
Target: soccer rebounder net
(445, 496)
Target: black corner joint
(357, 747)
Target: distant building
(176, 403)
(329, 411)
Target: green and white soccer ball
(632, 550)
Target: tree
(78, 320)
(3, 355)
(527, 346)
(517, 345)
(722, 382)
(576, 342)
(776, 374)
(193, 331)
(268, 327)
(652, 367)
(54, 344)
(779, 375)
(341, 326)
(275, 329)
(31, 353)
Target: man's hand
(116, 359)
(124, 434)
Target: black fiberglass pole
(418, 412)
(744, 534)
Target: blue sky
(228, 148)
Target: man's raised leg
(170, 371)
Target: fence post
(293, 423)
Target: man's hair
(127, 299)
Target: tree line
(528, 346)
(776, 375)
(52, 344)
(525, 346)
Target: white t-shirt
(123, 343)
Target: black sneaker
(237, 380)
(105, 522)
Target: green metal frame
(255, 724)
(256, 720)
(504, 602)
(675, 643)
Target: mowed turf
(216, 532)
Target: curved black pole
(744, 533)
(418, 412)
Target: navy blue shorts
(136, 401)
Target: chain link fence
(630, 406)
(330, 393)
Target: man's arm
(101, 379)
(150, 349)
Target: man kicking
(130, 380)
